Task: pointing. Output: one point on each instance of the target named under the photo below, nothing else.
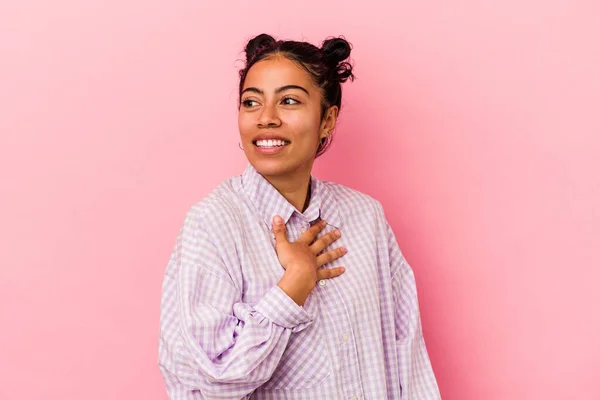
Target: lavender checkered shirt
(229, 332)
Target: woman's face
(280, 118)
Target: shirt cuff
(278, 307)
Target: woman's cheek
(245, 124)
(298, 119)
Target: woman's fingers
(330, 273)
(311, 233)
(330, 256)
(324, 242)
(285, 249)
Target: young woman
(283, 286)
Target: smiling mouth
(271, 143)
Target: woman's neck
(295, 190)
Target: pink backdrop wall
(476, 124)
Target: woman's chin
(273, 167)
(270, 167)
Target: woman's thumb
(279, 229)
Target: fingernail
(323, 222)
(344, 250)
(278, 220)
(338, 234)
(343, 269)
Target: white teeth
(270, 143)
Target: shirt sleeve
(212, 345)
(417, 379)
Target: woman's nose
(269, 117)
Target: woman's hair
(328, 66)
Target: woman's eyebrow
(288, 87)
(277, 91)
(253, 89)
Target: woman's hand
(301, 259)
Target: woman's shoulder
(351, 199)
(223, 204)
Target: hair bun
(256, 44)
(335, 53)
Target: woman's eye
(249, 103)
(289, 101)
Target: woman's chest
(357, 289)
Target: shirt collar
(269, 202)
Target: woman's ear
(328, 124)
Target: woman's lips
(270, 150)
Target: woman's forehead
(275, 72)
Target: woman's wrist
(296, 287)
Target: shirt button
(322, 282)
(302, 230)
(355, 398)
(345, 337)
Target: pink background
(476, 123)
